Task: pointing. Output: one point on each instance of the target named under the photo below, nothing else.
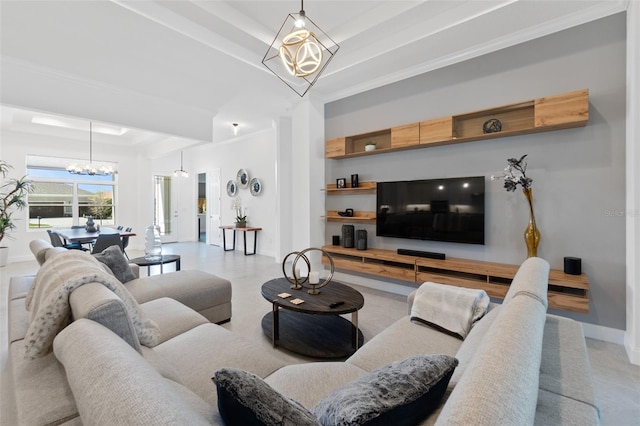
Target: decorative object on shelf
(232, 188)
(348, 232)
(336, 240)
(341, 183)
(255, 186)
(354, 181)
(572, 265)
(12, 197)
(295, 279)
(514, 175)
(493, 125)
(90, 225)
(313, 283)
(370, 146)
(361, 239)
(182, 172)
(346, 213)
(90, 168)
(300, 52)
(241, 217)
(152, 243)
(243, 178)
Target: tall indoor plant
(13, 193)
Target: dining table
(81, 235)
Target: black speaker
(361, 239)
(336, 240)
(573, 265)
(347, 236)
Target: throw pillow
(112, 257)
(401, 393)
(245, 399)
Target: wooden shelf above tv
(566, 292)
(556, 112)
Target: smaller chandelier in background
(90, 168)
(300, 52)
(182, 172)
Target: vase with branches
(13, 195)
(514, 175)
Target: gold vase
(531, 234)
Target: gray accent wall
(578, 174)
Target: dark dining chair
(56, 241)
(125, 242)
(106, 240)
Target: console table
(244, 231)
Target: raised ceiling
(190, 68)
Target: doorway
(165, 213)
(202, 208)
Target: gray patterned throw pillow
(245, 399)
(112, 257)
(401, 393)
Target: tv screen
(450, 209)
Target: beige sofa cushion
(173, 318)
(531, 279)
(113, 384)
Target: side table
(244, 231)
(166, 258)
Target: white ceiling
(202, 59)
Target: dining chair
(56, 241)
(125, 242)
(106, 240)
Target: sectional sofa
(518, 365)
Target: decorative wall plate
(243, 178)
(255, 186)
(232, 188)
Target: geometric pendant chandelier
(300, 52)
(90, 168)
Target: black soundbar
(418, 253)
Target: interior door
(214, 233)
(165, 211)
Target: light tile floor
(617, 382)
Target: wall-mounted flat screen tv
(450, 209)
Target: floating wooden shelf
(358, 216)
(563, 111)
(566, 292)
(363, 188)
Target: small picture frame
(354, 181)
(341, 183)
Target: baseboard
(606, 334)
(632, 353)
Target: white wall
(132, 197)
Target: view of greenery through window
(61, 200)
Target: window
(61, 200)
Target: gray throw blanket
(452, 308)
(48, 300)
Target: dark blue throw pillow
(401, 393)
(245, 399)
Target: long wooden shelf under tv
(566, 292)
(556, 112)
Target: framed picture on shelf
(341, 183)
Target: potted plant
(241, 218)
(370, 146)
(12, 197)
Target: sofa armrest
(96, 302)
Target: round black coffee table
(313, 328)
(166, 258)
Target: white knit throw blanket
(48, 300)
(452, 308)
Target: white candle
(314, 277)
(297, 272)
